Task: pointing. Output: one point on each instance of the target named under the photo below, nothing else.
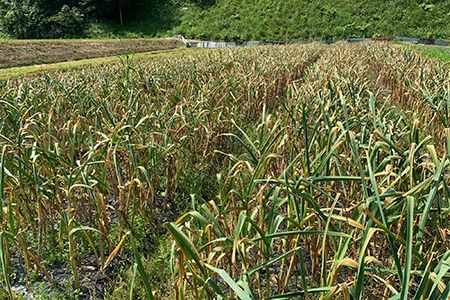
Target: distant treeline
(225, 20)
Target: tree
(26, 19)
(19, 18)
(66, 22)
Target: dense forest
(224, 19)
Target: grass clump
(435, 52)
(156, 264)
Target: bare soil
(27, 53)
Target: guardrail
(255, 43)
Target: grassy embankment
(436, 52)
(315, 171)
(274, 20)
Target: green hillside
(303, 19)
(225, 19)
(271, 19)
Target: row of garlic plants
(339, 191)
(417, 83)
(87, 151)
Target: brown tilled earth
(25, 53)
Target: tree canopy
(37, 19)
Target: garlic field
(293, 172)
